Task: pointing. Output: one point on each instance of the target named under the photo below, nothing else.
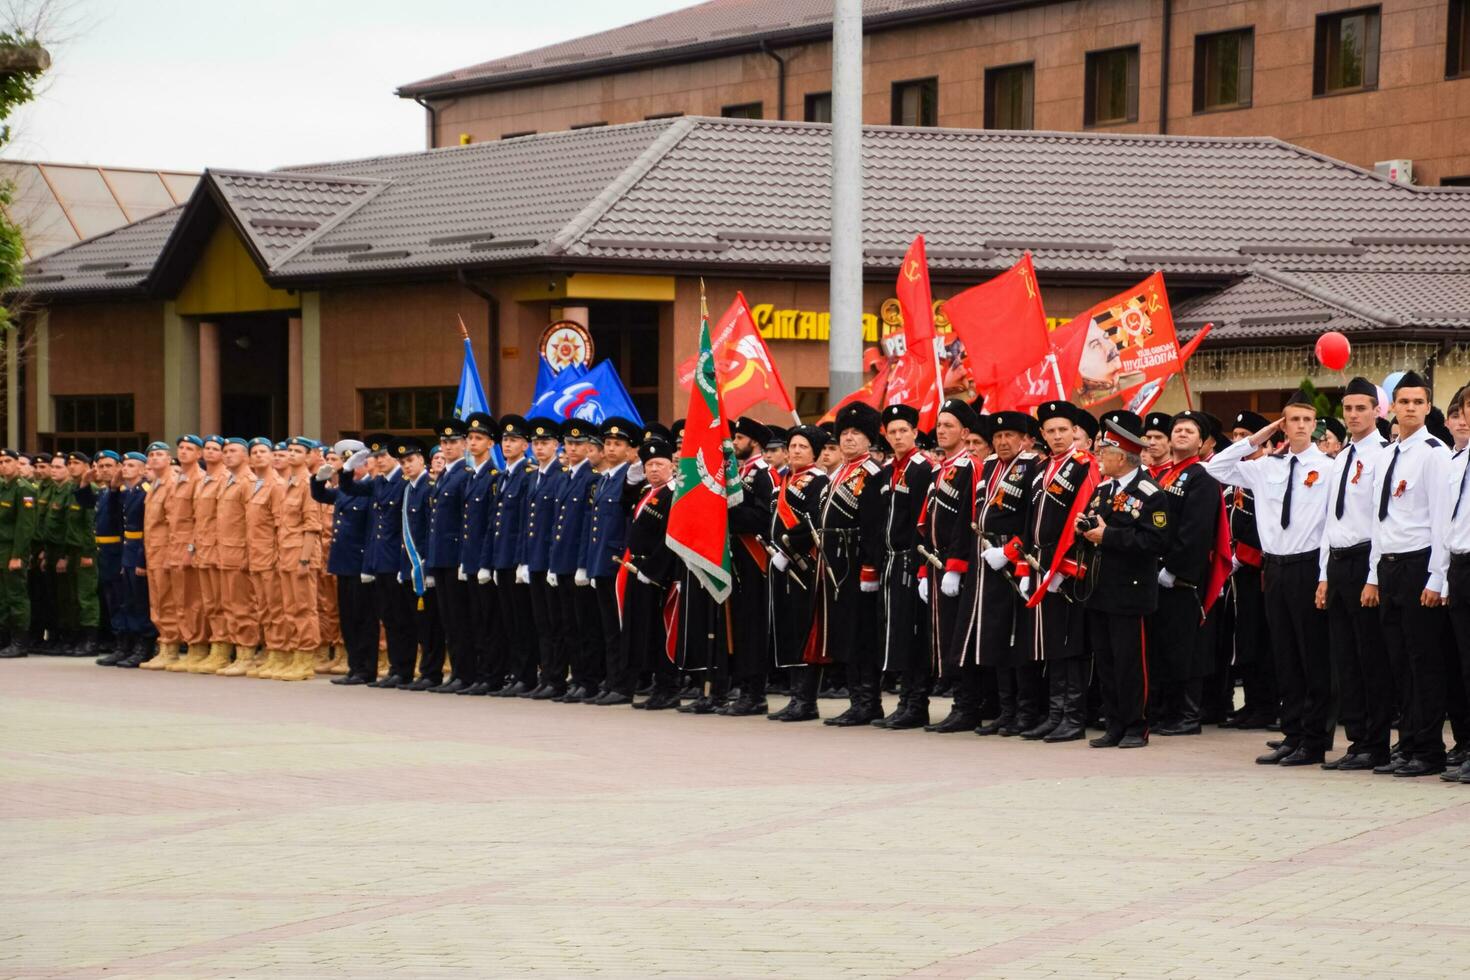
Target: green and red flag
(707, 482)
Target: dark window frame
(1092, 65)
(416, 426)
(812, 99)
(992, 76)
(1455, 180)
(122, 435)
(928, 87)
(1245, 66)
(743, 110)
(1457, 40)
(1324, 33)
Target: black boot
(805, 683)
(1187, 709)
(899, 710)
(122, 649)
(1056, 699)
(1074, 702)
(11, 649)
(139, 650)
(1028, 700)
(1005, 697)
(858, 711)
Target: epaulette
(530, 467)
(565, 468)
(1382, 443)
(761, 464)
(965, 460)
(1081, 456)
(1145, 486)
(872, 468)
(1028, 454)
(1433, 443)
(992, 456)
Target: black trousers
(483, 646)
(359, 626)
(620, 674)
(1303, 663)
(1415, 636)
(1119, 656)
(1459, 615)
(1250, 640)
(1359, 657)
(429, 633)
(452, 604)
(550, 623)
(395, 601)
(592, 670)
(577, 610)
(516, 640)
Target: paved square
(171, 825)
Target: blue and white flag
(591, 396)
(471, 397)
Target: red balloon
(1333, 350)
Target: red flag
(1130, 341)
(1220, 565)
(1052, 378)
(1003, 326)
(743, 363)
(1069, 531)
(1140, 399)
(914, 298)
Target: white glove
(551, 579)
(1025, 587)
(995, 558)
(495, 576)
(950, 584)
(644, 579)
(924, 589)
(356, 460)
(1234, 564)
(523, 575)
(779, 562)
(483, 576)
(581, 577)
(868, 586)
(635, 472)
(1166, 578)
(1055, 585)
(400, 578)
(366, 579)
(324, 472)
(592, 582)
(428, 581)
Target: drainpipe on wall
(780, 79)
(1166, 39)
(493, 327)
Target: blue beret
(237, 441)
(280, 446)
(218, 440)
(301, 441)
(191, 438)
(136, 457)
(159, 447)
(261, 441)
(109, 454)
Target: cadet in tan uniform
(241, 622)
(183, 574)
(262, 513)
(206, 557)
(161, 602)
(299, 531)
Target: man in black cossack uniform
(648, 573)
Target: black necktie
(1342, 484)
(1461, 495)
(1387, 485)
(1286, 498)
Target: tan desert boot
(243, 656)
(198, 653)
(166, 654)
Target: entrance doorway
(626, 333)
(253, 375)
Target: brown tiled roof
(1270, 304)
(749, 195)
(699, 31)
(114, 262)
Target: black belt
(1295, 559)
(1406, 555)
(1463, 558)
(1351, 551)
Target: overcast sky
(186, 84)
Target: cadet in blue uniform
(572, 600)
(481, 672)
(107, 523)
(344, 562)
(136, 624)
(500, 558)
(617, 490)
(414, 574)
(383, 558)
(451, 585)
(541, 503)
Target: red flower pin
(1311, 478)
(1357, 471)
(1398, 491)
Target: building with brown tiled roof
(326, 298)
(60, 204)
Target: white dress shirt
(1418, 514)
(1269, 478)
(1351, 480)
(1458, 539)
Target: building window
(818, 107)
(745, 110)
(1347, 52)
(916, 103)
(92, 422)
(1223, 66)
(1111, 94)
(405, 410)
(592, 125)
(1010, 96)
(516, 136)
(1457, 47)
(811, 403)
(1461, 181)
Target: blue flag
(575, 393)
(471, 397)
